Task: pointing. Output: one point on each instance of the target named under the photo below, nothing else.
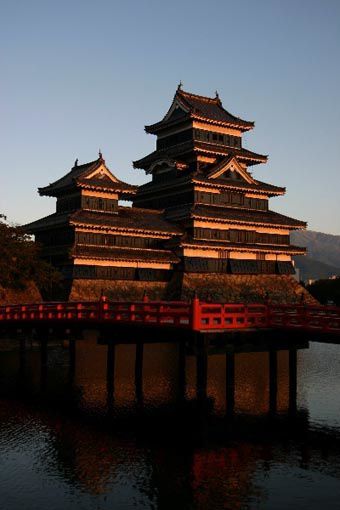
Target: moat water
(155, 425)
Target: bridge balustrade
(197, 315)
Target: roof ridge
(207, 99)
(90, 163)
(76, 170)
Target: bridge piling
(272, 382)
(230, 383)
(110, 372)
(139, 372)
(292, 380)
(181, 371)
(201, 367)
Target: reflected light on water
(182, 424)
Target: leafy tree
(20, 260)
(326, 291)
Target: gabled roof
(202, 108)
(231, 164)
(94, 174)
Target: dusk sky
(82, 75)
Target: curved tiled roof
(127, 218)
(117, 253)
(208, 244)
(78, 174)
(193, 145)
(259, 186)
(52, 220)
(132, 218)
(235, 215)
(201, 108)
(245, 216)
(195, 178)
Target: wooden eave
(222, 150)
(182, 182)
(197, 147)
(123, 254)
(124, 230)
(157, 128)
(218, 219)
(48, 191)
(209, 244)
(48, 222)
(228, 185)
(191, 181)
(54, 188)
(118, 223)
(124, 191)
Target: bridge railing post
(103, 307)
(132, 312)
(267, 315)
(246, 317)
(195, 311)
(79, 310)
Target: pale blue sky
(79, 75)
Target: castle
(202, 224)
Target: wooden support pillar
(292, 380)
(43, 351)
(139, 372)
(22, 354)
(181, 371)
(230, 383)
(21, 376)
(43, 360)
(201, 367)
(72, 358)
(272, 382)
(110, 372)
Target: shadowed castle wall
(209, 287)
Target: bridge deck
(194, 316)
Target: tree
(326, 291)
(20, 260)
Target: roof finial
(216, 95)
(76, 162)
(100, 154)
(180, 85)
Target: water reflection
(124, 378)
(195, 423)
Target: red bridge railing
(196, 316)
(311, 318)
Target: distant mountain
(323, 254)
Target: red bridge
(194, 316)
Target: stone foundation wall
(116, 290)
(209, 287)
(245, 288)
